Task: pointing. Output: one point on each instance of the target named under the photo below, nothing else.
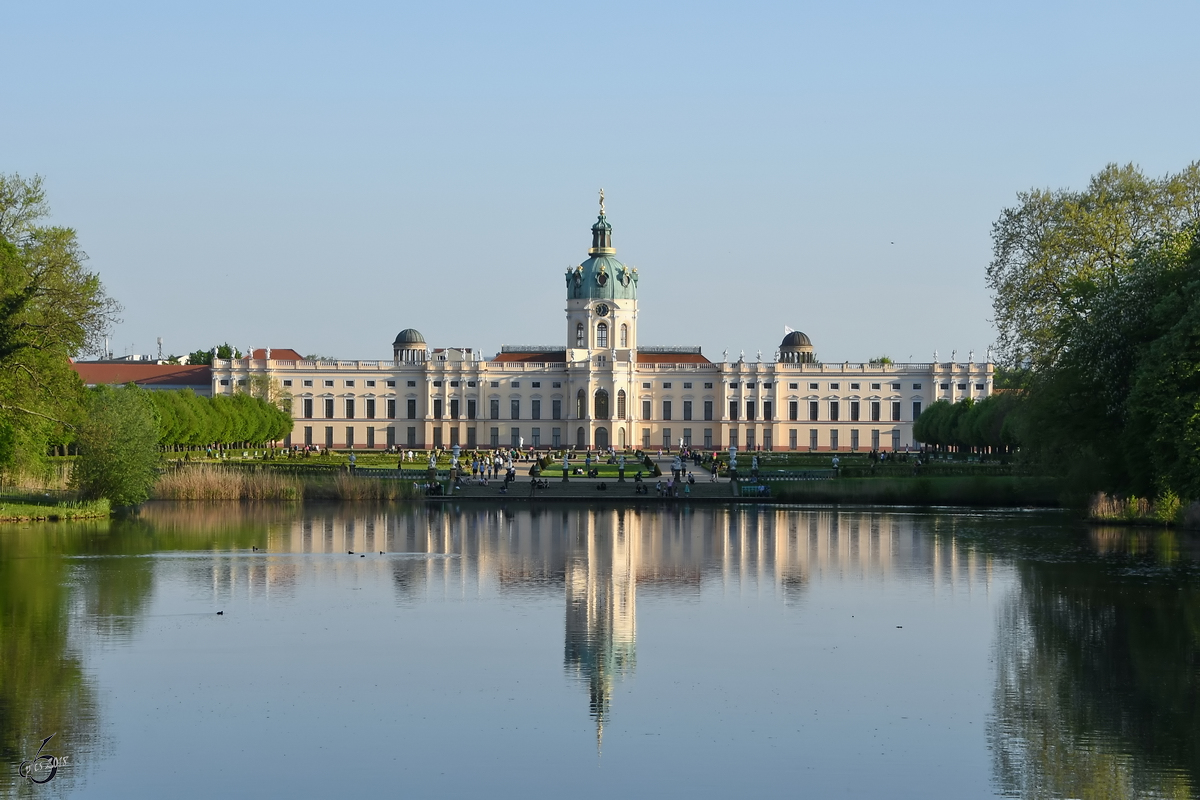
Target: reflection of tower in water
(601, 584)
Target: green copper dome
(602, 276)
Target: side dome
(408, 336)
(796, 339)
(796, 348)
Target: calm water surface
(599, 651)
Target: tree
(51, 310)
(1054, 248)
(118, 446)
(225, 351)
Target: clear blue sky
(319, 177)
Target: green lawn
(18, 508)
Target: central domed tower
(601, 296)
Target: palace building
(602, 387)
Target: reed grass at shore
(1168, 509)
(205, 482)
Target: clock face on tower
(602, 310)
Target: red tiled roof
(277, 353)
(672, 358)
(553, 356)
(163, 375)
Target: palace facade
(601, 387)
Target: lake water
(599, 651)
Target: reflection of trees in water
(62, 583)
(1098, 677)
(43, 686)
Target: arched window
(621, 404)
(624, 335)
(581, 405)
(579, 334)
(602, 335)
(601, 404)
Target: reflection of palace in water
(600, 558)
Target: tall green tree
(118, 446)
(52, 309)
(1055, 247)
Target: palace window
(854, 411)
(370, 408)
(350, 383)
(666, 406)
(410, 383)
(916, 386)
(896, 411)
(834, 411)
(391, 412)
(454, 408)
(687, 385)
(854, 387)
(537, 384)
(667, 385)
(579, 337)
(412, 408)
(514, 409)
(308, 408)
(708, 386)
(645, 409)
(621, 404)
(329, 408)
(813, 410)
(471, 410)
(535, 411)
(390, 384)
(916, 408)
(793, 410)
(813, 386)
(556, 409)
(733, 409)
(493, 409)
(602, 335)
(793, 386)
(287, 382)
(687, 409)
(874, 411)
(768, 410)
(624, 335)
(371, 383)
(708, 409)
(329, 383)
(308, 383)
(835, 387)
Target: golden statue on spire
(602, 202)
